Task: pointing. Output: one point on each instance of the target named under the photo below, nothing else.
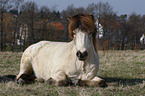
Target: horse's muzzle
(82, 56)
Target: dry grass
(124, 72)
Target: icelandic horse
(63, 62)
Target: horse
(65, 62)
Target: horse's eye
(73, 33)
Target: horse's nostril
(79, 54)
(85, 54)
(82, 55)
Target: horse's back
(34, 47)
(45, 47)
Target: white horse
(64, 61)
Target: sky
(119, 6)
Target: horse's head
(82, 29)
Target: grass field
(124, 72)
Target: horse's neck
(92, 55)
(92, 51)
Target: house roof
(58, 25)
(111, 24)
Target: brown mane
(84, 22)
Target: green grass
(124, 72)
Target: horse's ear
(93, 17)
(69, 18)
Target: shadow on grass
(110, 80)
(7, 78)
(122, 81)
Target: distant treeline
(24, 23)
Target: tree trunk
(122, 45)
(2, 31)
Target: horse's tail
(7, 78)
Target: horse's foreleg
(62, 79)
(95, 82)
(26, 79)
(26, 73)
(25, 66)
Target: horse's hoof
(39, 80)
(80, 82)
(20, 81)
(102, 83)
(51, 81)
(63, 83)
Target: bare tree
(30, 14)
(104, 13)
(47, 15)
(135, 29)
(143, 24)
(16, 7)
(4, 5)
(124, 30)
(100, 9)
(71, 10)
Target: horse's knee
(102, 83)
(90, 83)
(62, 83)
(80, 82)
(66, 82)
(25, 79)
(25, 71)
(51, 81)
(99, 82)
(62, 79)
(39, 80)
(20, 81)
